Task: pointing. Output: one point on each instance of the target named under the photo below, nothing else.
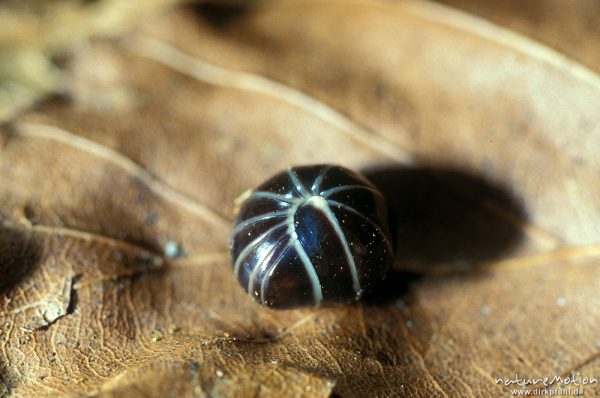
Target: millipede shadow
(19, 256)
(445, 217)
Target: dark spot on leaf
(73, 299)
(29, 214)
(151, 218)
(221, 15)
(20, 255)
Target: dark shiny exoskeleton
(311, 236)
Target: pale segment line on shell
(260, 264)
(267, 276)
(319, 180)
(118, 159)
(297, 185)
(335, 190)
(273, 196)
(263, 217)
(367, 219)
(321, 204)
(312, 273)
(252, 245)
(308, 265)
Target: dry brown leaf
(36, 32)
(570, 27)
(485, 144)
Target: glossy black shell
(311, 236)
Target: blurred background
(37, 36)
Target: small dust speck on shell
(484, 310)
(561, 301)
(219, 373)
